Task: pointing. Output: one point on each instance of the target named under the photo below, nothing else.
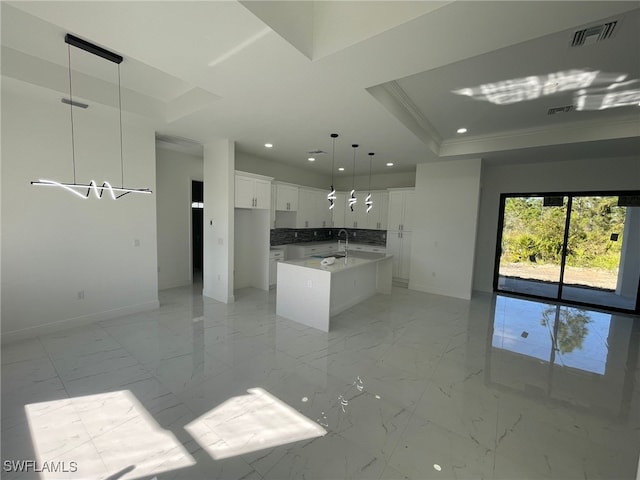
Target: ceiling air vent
(595, 34)
(317, 152)
(564, 109)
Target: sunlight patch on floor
(251, 422)
(104, 435)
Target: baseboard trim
(36, 331)
(429, 289)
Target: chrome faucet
(346, 244)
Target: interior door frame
(569, 195)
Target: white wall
(378, 182)
(219, 191)
(444, 233)
(280, 171)
(55, 244)
(286, 173)
(174, 173)
(251, 248)
(570, 176)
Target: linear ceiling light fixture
(352, 199)
(78, 189)
(331, 196)
(368, 202)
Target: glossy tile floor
(407, 385)
(592, 296)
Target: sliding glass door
(531, 248)
(594, 248)
(581, 248)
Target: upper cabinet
(338, 210)
(400, 216)
(306, 216)
(286, 197)
(252, 191)
(324, 215)
(375, 219)
(313, 209)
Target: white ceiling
(380, 74)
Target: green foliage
(572, 327)
(535, 233)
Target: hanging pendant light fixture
(78, 188)
(331, 196)
(368, 202)
(352, 199)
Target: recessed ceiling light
(341, 169)
(462, 130)
(389, 164)
(311, 159)
(268, 145)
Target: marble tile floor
(404, 386)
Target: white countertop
(355, 260)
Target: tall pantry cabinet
(399, 229)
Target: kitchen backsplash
(283, 236)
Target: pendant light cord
(370, 160)
(353, 200)
(73, 143)
(333, 161)
(353, 184)
(120, 109)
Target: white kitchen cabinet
(383, 211)
(313, 249)
(286, 197)
(338, 211)
(363, 247)
(252, 191)
(399, 245)
(376, 219)
(358, 217)
(400, 216)
(323, 214)
(272, 212)
(306, 214)
(275, 256)
(313, 209)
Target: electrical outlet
(136, 242)
(295, 234)
(81, 295)
(309, 284)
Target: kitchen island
(311, 293)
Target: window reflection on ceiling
(593, 89)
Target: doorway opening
(197, 229)
(580, 248)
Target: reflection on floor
(408, 385)
(573, 293)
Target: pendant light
(368, 202)
(331, 196)
(78, 188)
(352, 199)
